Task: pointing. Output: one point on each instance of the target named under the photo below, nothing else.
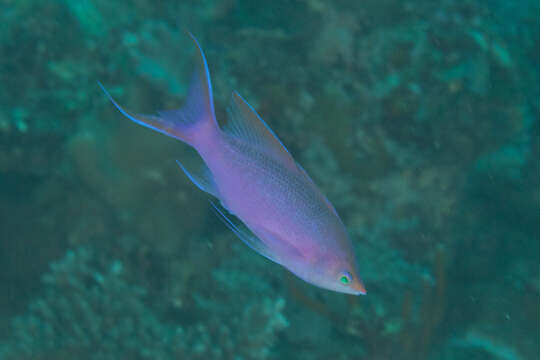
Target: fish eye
(345, 277)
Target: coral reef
(91, 308)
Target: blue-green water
(418, 119)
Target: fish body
(285, 216)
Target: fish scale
(271, 175)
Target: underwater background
(418, 119)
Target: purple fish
(244, 165)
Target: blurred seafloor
(418, 119)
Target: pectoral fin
(245, 235)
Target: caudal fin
(192, 122)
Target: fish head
(336, 271)
(338, 275)
(336, 267)
(323, 258)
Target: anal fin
(202, 177)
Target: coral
(91, 310)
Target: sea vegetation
(418, 119)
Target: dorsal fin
(308, 178)
(245, 124)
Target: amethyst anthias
(285, 216)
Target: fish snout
(358, 286)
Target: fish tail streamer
(194, 122)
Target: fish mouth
(359, 288)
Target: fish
(265, 197)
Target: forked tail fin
(194, 121)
